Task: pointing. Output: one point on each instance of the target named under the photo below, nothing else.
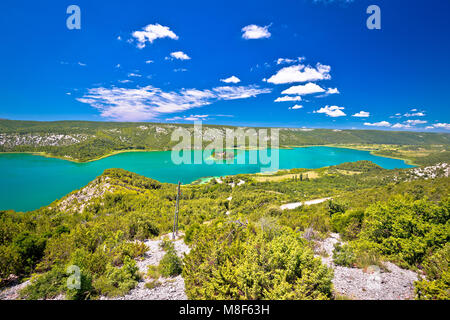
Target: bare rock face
(394, 283)
(77, 201)
(44, 139)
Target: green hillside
(242, 244)
(84, 140)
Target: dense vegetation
(256, 251)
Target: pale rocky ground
(393, 284)
(293, 205)
(78, 200)
(44, 139)
(430, 172)
(12, 293)
(170, 288)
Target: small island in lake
(226, 155)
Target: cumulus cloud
(180, 55)
(301, 73)
(332, 111)
(301, 90)
(152, 32)
(288, 98)
(232, 79)
(378, 124)
(297, 106)
(362, 114)
(145, 103)
(253, 31)
(442, 125)
(328, 92)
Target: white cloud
(442, 125)
(241, 92)
(145, 103)
(136, 75)
(152, 32)
(149, 61)
(180, 55)
(378, 124)
(332, 111)
(125, 81)
(287, 60)
(401, 126)
(288, 98)
(118, 65)
(332, 91)
(328, 92)
(297, 106)
(255, 32)
(414, 122)
(300, 73)
(416, 114)
(300, 90)
(232, 79)
(362, 114)
(82, 64)
(180, 70)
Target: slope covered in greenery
(84, 140)
(243, 246)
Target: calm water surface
(29, 182)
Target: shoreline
(288, 147)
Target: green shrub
(10, 261)
(437, 269)
(47, 285)
(166, 245)
(152, 284)
(30, 247)
(170, 265)
(153, 272)
(118, 281)
(231, 262)
(343, 255)
(435, 289)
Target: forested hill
(244, 242)
(84, 140)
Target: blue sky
(302, 63)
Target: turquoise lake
(29, 182)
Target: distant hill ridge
(87, 140)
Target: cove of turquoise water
(29, 182)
